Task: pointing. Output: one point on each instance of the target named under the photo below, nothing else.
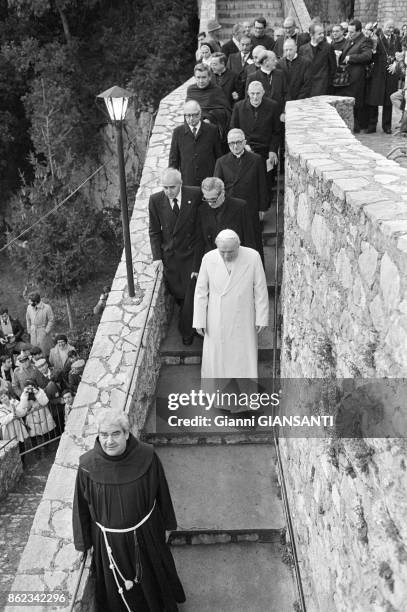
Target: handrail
(286, 505)
(78, 582)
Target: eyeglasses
(235, 143)
(191, 115)
(211, 200)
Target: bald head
(289, 48)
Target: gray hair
(172, 172)
(112, 416)
(212, 182)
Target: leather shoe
(387, 131)
(187, 340)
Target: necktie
(194, 132)
(175, 208)
(243, 60)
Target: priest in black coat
(244, 176)
(122, 507)
(172, 230)
(271, 77)
(195, 146)
(296, 70)
(218, 212)
(322, 58)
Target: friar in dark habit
(122, 507)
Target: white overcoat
(229, 307)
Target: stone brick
(344, 269)
(321, 236)
(377, 313)
(303, 212)
(368, 263)
(389, 283)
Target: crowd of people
(366, 62)
(39, 375)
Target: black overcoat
(300, 38)
(261, 126)
(245, 178)
(195, 157)
(275, 90)
(172, 238)
(297, 76)
(382, 84)
(322, 68)
(359, 51)
(233, 214)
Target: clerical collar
(314, 44)
(238, 156)
(291, 60)
(268, 72)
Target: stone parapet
(11, 467)
(207, 11)
(121, 371)
(344, 299)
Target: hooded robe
(118, 492)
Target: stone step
(207, 438)
(224, 488)
(174, 352)
(229, 536)
(235, 578)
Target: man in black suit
(218, 212)
(259, 119)
(385, 77)
(195, 146)
(322, 58)
(172, 230)
(296, 70)
(272, 79)
(232, 45)
(226, 79)
(290, 33)
(244, 176)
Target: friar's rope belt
(112, 563)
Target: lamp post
(116, 100)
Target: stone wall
(298, 10)
(121, 371)
(207, 11)
(366, 10)
(11, 467)
(344, 301)
(395, 9)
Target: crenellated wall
(344, 300)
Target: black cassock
(118, 492)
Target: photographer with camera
(34, 405)
(384, 79)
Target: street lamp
(116, 100)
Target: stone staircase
(230, 546)
(235, 11)
(17, 512)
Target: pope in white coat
(230, 308)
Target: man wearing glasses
(217, 212)
(244, 176)
(290, 33)
(195, 146)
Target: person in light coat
(34, 404)
(40, 322)
(231, 308)
(11, 423)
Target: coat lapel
(185, 207)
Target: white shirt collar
(197, 127)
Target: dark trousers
(186, 310)
(386, 116)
